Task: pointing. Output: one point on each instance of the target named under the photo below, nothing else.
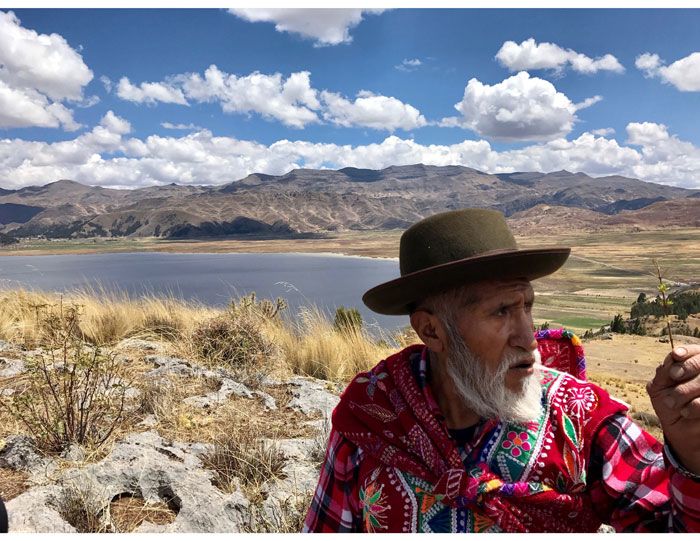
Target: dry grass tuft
(81, 508)
(12, 483)
(129, 511)
(289, 518)
(240, 456)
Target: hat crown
(452, 236)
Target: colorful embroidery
(378, 412)
(374, 380)
(580, 401)
(374, 506)
(517, 443)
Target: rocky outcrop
(146, 465)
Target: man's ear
(429, 329)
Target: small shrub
(266, 309)
(347, 320)
(235, 342)
(617, 325)
(72, 393)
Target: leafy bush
(71, 393)
(347, 319)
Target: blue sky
(130, 98)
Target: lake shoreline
(370, 244)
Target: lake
(324, 280)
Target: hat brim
(394, 298)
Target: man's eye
(528, 307)
(502, 311)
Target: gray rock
(311, 397)
(170, 366)
(19, 453)
(11, 367)
(162, 471)
(300, 477)
(6, 346)
(33, 512)
(228, 387)
(139, 345)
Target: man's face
(499, 326)
(491, 353)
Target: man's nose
(522, 335)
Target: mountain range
(309, 201)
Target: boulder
(33, 512)
(311, 397)
(19, 453)
(157, 470)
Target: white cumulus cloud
(291, 101)
(371, 111)
(518, 108)
(684, 74)
(149, 92)
(530, 55)
(326, 26)
(37, 73)
(107, 156)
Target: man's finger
(682, 364)
(677, 397)
(686, 369)
(691, 410)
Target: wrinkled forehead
(495, 290)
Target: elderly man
(467, 432)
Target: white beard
(485, 392)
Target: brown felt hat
(454, 248)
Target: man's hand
(675, 396)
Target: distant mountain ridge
(307, 201)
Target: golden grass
(105, 317)
(311, 346)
